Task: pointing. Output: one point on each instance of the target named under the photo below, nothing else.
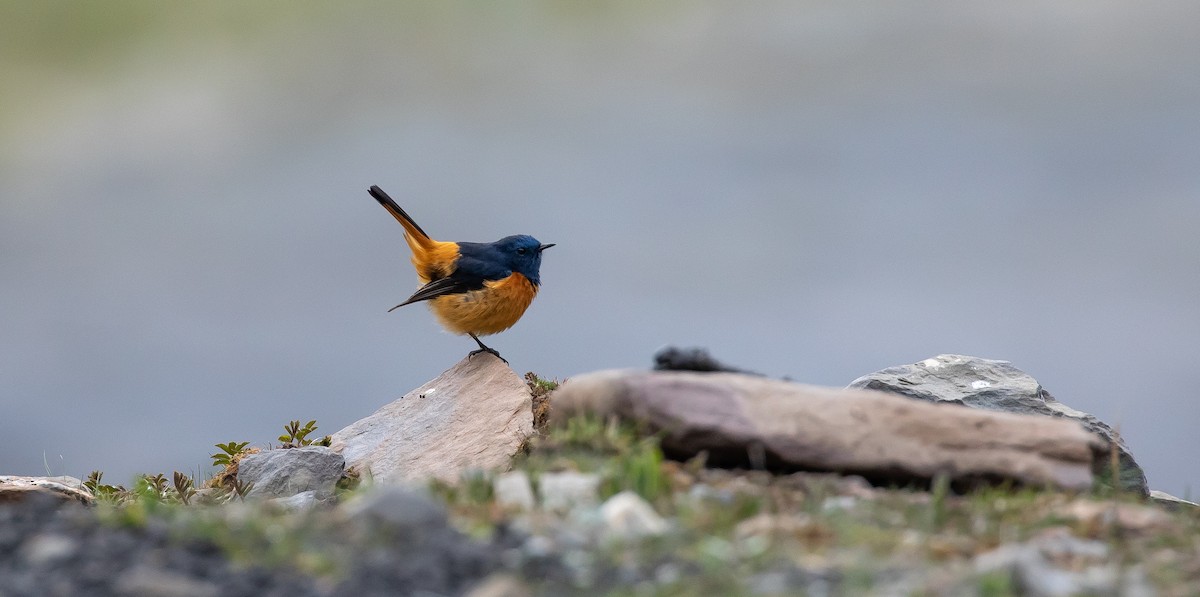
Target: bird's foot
(484, 348)
(491, 351)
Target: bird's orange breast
(489, 310)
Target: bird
(475, 289)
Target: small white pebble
(628, 515)
(841, 502)
(539, 546)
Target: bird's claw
(491, 351)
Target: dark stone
(673, 358)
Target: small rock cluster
(624, 515)
(889, 427)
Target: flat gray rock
(287, 472)
(997, 386)
(743, 420)
(17, 489)
(1171, 502)
(475, 416)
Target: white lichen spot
(931, 363)
(979, 383)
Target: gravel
(50, 548)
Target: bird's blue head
(522, 254)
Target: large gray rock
(476, 415)
(742, 420)
(286, 472)
(996, 386)
(18, 489)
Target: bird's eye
(522, 251)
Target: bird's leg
(484, 348)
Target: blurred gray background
(188, 254)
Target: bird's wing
(470, 274)
(440, 287)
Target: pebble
(566, 490)
(513, 490)
(628, 516)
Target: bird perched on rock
(473, 288)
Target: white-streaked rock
(997, 386)
(286, 472)
(15, 488)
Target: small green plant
(540, 385)
(937, 506)
(240, 489)
(474, 488)
(539, 392)
(625, 458)
(228, 452)
(296, 436)
(640, 469)
(996, 584)
(185, 488)
(590, 432)
(351, 479)
(103, 492)
(477, 487)
(151, 487)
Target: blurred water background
(818, 190)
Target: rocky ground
(705, 532)
(590, 505)
(395, 543)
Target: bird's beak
(544, 247)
